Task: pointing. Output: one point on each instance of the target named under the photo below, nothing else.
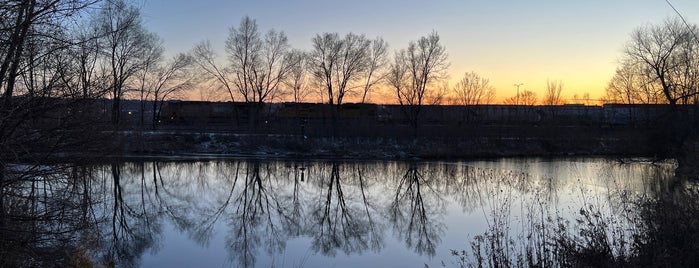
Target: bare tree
(631, 85)
(416, 71)
(296, 80)
(378, 58)
(337, 63)
(205, 57)
(243, 46)
(669, 51)
(27, 20)
(85, 55)
(323, 58)
(151, 60)
(526, 97)
(585, 99)
(14, 41)
(473, 90)
(259, 64)
(126, 47)
(35, 63)
(275, 66)
(162, 80)
(438, 95)
(553, 93)
(43, 72)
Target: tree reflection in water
(342, 219)
(292, 220)
(113, 214)
(413, 212)
(256, 217)
(44, 215)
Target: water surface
(236, 213)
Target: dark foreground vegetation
(645, 231)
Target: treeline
(262, 67)
(81, 50)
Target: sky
(509, 42)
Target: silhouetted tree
(377, 61)
(552, 95)
(416, 71)
(152, 57)
(337, 63)
(473, 89)
(258, 63)
(526, 97)
(160, 81)
(126, 47)
(86, 58)
(205, 57)
(297, 79)
(669, 52)
(38, 113)
(631, 84)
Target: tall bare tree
(323, 58)
(473, 89)
(377, 61)
(296, 80)
(416, 71)
(152, 58)
(243, 47)
(86, 54)
(259, 64)
(126, 47)
(553, 93)
(269, 76)
(20, 18)
(337, 63)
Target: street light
(517, 97)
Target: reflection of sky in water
(204, 208)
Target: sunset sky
(577, 42)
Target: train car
(185, 112)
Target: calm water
(235, 213)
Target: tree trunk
(116, 111)
(2, 195)
(11, 63)
(156, 113)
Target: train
(221, 113)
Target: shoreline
(203, 145)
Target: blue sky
(577, 42)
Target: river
(285, 213)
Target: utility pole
(517, 97)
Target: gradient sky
(577, 42)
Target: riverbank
(568, 142)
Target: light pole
(517, 97)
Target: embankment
(530, 141)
